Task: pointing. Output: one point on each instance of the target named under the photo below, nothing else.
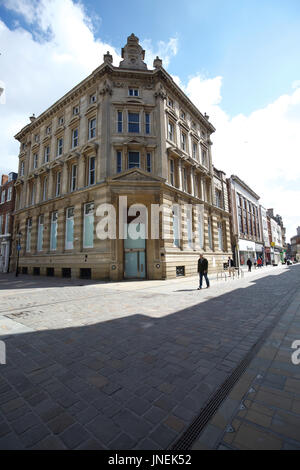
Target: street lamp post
(18, 246)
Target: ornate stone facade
(122, 132)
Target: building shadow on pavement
(133, 382)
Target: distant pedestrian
(259, 263)
(230, 266)
(202, 270)
(249, 263)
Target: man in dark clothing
(202, 270)
(230, 266)
(249, 263)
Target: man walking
(202, 270)
(230, 266)
(249, 263)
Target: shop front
(246, 251)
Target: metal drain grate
(196, 427)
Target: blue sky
(238, 60)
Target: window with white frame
(133, 159)
(28, 235)
(22, 167)
(194, 150)
(204, 157)
(48, 130)
(9, 193)
(209, 227)
(170, 103)
(92, 170)
(3, 197)
(46, 154)
(133, 122)
(75, 110)
(119, 161)
(176, 238)
(200, 230)
(189, 221)
(61, 120)
(171, 131)
(148, 162)
(88, 225)
(53, 231)
(40, 233)
(35, 160)
(220, 236)
(92, 128)
(133, 92)
(36, 138)
(182, 115)
(172, 174)
(58, 184)
(120, 121)
(75, 138)
(73, 177)
(69, 244)
(147, 123)
(45, 188)
(60, 144)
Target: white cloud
(164, 50)
(262, 148)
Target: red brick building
(7, 206)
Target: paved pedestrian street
(130, 365)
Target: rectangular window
(93, 98)
(35, 160)
(58, 183)
(69, 228)
(220, 235)
(40, 233)
(183, 141)
(60, 121)
(134, 122)
(147, 123)
(171, 131)
(46, 154)
(133, 92)
(92, 168)
(133, 159)
(1, 224)
(194, 150)
(9, 193)
(28, 235)
(33, 194)
(175, 227)
(2, 197)
(120, 121)
(210, 243)
(172, 175)
(36, 138)
(92, 128)
(48, 130)
(74, 138)
(170, 103)
(22, 169)
(6, 229)
(88, 225)
(76, 110)
(60, 143)
(185, 186)
(53, 231)
(149, 167)
(119, 161)
(189, 220)
(200, 231)
(45, 187)
(182, 114)
(73, 177)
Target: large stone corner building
(123, 131)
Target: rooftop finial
(32, 118)
(133, 54)
(157, 63)
(108, 58)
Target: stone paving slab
(262, 412)
(111, 368)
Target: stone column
(65, 179)
(83, 164)
(179, 170)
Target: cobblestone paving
(263, 410)
(125, 365)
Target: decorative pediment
(74, 120)
(72, 155)
(90, 148)
(59, 130)
(56, 163)
(91, 109)
(136, 174)
(174, 151)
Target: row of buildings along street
(129, 132)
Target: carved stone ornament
(161, 93)
(106, 89)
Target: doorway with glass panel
(135, 251)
